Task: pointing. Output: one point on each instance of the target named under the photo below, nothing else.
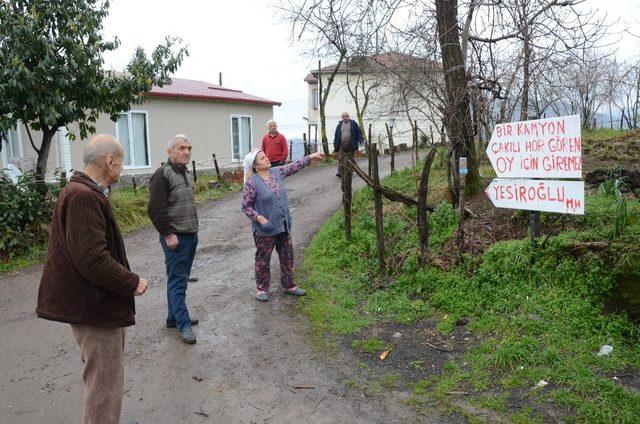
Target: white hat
(247, 163)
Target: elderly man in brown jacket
(87, 281)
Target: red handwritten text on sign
(538, 195)
(545, 148)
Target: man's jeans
(178, 263)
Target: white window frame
(234, 160)
(131, 150)
(5, 155)
(315, 98)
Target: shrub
(24, 215)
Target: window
(240, 136)
(133, 132)
(315, 100)
(11, 147)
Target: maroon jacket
(86, 277)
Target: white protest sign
(538, 195)
(542, 148)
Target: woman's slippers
(295, 291)
(263, 296)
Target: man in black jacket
(172, 209)
(347, 138)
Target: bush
(24, 216)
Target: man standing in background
(274, 145)
(172, 209)
(347, 139)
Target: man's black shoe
(192, 279)
(338, 175)
(172, 324)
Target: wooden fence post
(423, 218)
(193, 166)
(378, 207)
(391, 147)
(462, 172)
(369, 148)
(215, 163)
(346, 177)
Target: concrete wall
(207, 123)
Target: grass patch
(538, 311)
(130, 209)
(369, 345)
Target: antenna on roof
(220, 79)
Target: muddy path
(249, 357)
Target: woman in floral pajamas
(264, 201)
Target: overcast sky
(243, 40)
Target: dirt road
(249, 356)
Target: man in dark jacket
(87, 281)
(172, 209)
(347, 138)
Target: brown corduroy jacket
(86, 277)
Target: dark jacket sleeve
(355, 128)
(158, 202)
(86, 241)
(336, 138)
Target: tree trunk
(524, 100)
(43, 156)
(457, 113)
(423, 220)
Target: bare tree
(336, 30)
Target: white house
(397, 92)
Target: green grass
(372, 345)
(130, 209)
(543, 321)
(35, 256)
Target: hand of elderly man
(142, 287)
(172, 241)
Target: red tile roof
(380, 62)
(192, 89)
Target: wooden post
(535, 227)
(423, 218)
(193, 166)
(215, 163)
(63, 179)
(391, 147)
(378, 207)
(305, 144)
(462, 172)
(134, 184)
(369, 149)
(291, 150)
(415, 140)
(346, 177)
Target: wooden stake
(378, 208)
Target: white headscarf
(247, 163)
